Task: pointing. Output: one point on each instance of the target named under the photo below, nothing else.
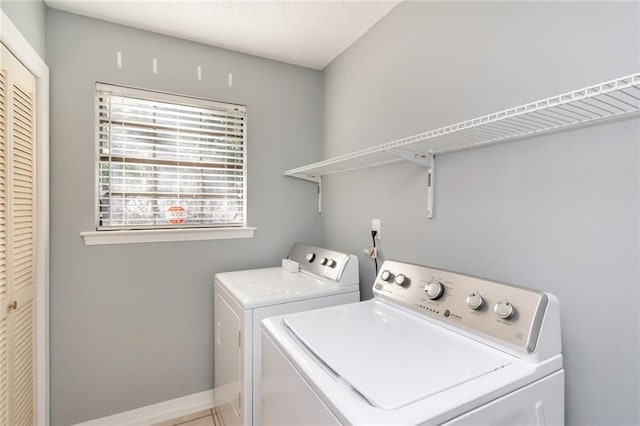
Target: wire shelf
(594, 103)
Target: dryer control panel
(320, 261)
(500, 311)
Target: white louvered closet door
(17, 242)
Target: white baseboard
(159, 412)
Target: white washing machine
(431, 348)
(244, 298)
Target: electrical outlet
(375, 226)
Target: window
(168, 161)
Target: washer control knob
(434, 290)
(324, 261)
(386, 275)
(504, 309)
(475, 301)
(331, 263)
(310, 257)
(401, 279)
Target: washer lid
(269, 286)
(390, 357)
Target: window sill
(164, 235)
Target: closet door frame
(20, 47)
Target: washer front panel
(508, 313)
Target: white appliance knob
(401, 279)
(310, 257)
(385, 275)
(504, 309)
(434, 290)
(324, 261)
(475, 301)
(331, 263)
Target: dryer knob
(385, 275)
(331, 263)
(401, 280)
(504, 309)
(434, 290)
(310, 257)
(475, 301)
(324, 261)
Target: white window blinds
(168, 161)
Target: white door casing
(22, 50)
(17, 226)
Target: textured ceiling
(306, 33)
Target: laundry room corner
(313, 212)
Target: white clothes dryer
(244, 298)
(431, 348)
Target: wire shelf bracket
(600, 102)
(315, 178)
(424, 159)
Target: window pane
(168, 163)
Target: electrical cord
(375, 259)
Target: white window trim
(199, 233)
(153, 235)
(93, 238)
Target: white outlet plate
(375, 226)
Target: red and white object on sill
(176, 215)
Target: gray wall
(132, 325)
(29, 17)
(557, 212)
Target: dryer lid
(257, 288)
(390, 357)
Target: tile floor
(201, 418)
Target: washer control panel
(319, 261)
(506, 312)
